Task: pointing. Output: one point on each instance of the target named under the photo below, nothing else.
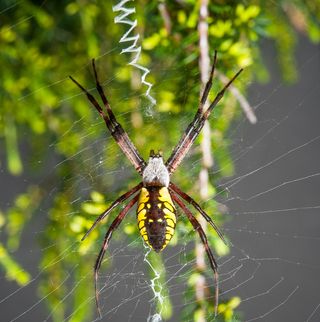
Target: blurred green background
(71, 168)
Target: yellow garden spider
(156, 212)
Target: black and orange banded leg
(178, 153)
(196, 225)
(119, 132)
(187, 198)
(121, 199)
(115, 128)
(117, 221)
(194, 128)
(208, 85)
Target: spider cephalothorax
(156, 212)
(155, 173)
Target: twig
(207, 160)
(165, 16)
(246, 107)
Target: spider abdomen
(156, 216)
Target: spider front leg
(195, 127)
(119, 133)
(104, 247)
(114, 127)
(208, 85)
(196, 225)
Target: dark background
(281, 246)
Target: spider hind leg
(196, 225)
(117, 221)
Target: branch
(165, 16)
(246, 107)
(207, 160)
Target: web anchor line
(133, 46)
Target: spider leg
(197, 117)
(220, 95)
(191, 201)
(196, 225)
(119, 131)
(208, 84)
(194, 128)
(103, 96)
(121, 199)
(116, 130)
(117, 221)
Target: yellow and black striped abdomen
(156, 215)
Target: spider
(156, 195)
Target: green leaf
(13, 270)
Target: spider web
(273, 203)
